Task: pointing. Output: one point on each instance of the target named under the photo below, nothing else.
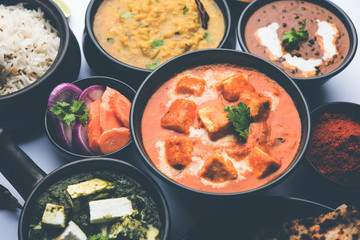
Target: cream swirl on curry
(188, 136)
(321, 52)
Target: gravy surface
(292, 13)
(283, 122)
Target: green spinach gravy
(140, 224)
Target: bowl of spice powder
(334, 149)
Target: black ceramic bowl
(206, 57)
(118, 85)
(253, 214)
(30, 181)
(236, 8)
(104, 64)
(349, 109)
(252, 7)
(27, 105)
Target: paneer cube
(214, 119)
(190, 85)
(258, 103)
(262, 163)
(180, 117)
(232, 87)
(218, 169)
(152, 233)
(72, 232)
(54, 215)
(178, 152)
(107, 210)
(85, 191)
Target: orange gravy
(283, 122)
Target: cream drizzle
(327, 33)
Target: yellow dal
(127, 29)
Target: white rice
(28, 47)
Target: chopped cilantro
(292, 39)
(207, 36)
(185, 9)
(110, 40)
(126, 15)
(68, 113)
(240, 118)
(154, 64)
(99, 237)
(157, 43)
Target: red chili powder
(335, 148)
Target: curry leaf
(240, 118)
(185, 9)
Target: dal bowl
(308, 63)
(103, 59)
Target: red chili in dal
(335, 148)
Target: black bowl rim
(352, 36)
(277, 199)
(143, 175)
(320, 109)
(90, 32)
(78, 155)
(64, 45)
(212, 194)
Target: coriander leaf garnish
(240, 118)
(99, 237)
(110, 40)
(154, 64)
(292, 39)
(157, 43)
(207, 36)
(68, 113)
(126, 15)
(185, 9)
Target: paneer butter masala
(192, 139)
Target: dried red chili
(335, 148)
(203, 14)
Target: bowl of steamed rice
(37, 51)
